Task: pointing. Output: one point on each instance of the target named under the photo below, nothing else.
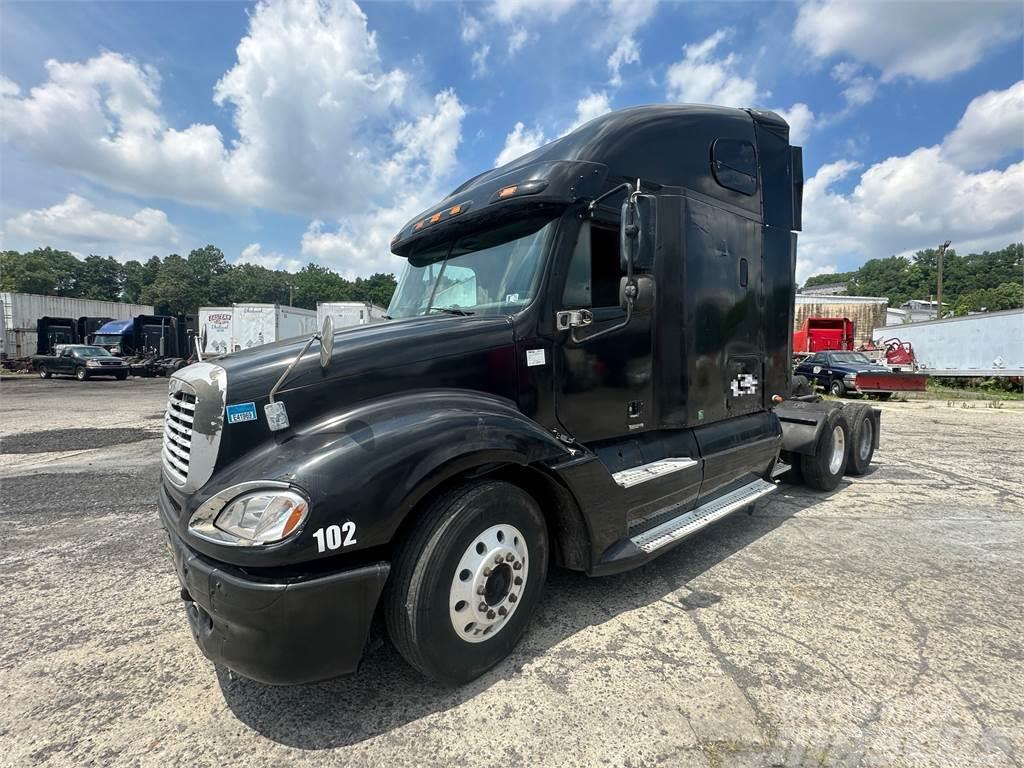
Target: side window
(595, 269)
(734, 163)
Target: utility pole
(291, 290)
(942, 252)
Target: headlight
(850, 376)
(263, 518)
(92, 363)
(259, 516)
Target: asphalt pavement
(877, 625)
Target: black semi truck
(153, 345)
(588, 360)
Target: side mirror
(326, 341)
(638, 233)
(642, 293)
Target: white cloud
(914, 201)
(991, 128)
(626, 52)
(508, 11)
(700, 78)
(859, 88)
(590, 106)
(253, 254)
(8, 87)
(306, 69)
(479, 60)
(924, 41)
(77, 221)
(517, 40)
(801, 120)
(472, 29)
(518, 142)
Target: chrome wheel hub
(838, 450)
(488, 583)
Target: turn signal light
(508, 191)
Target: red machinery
(898, 354)
(818, 334)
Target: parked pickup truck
(81, 361)
(843, 373)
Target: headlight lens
(92, 363)
(263, 517)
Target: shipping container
(215, 329)
(23, 310)
(346, 313)
(866, 312)
(986, 344)
(256, 324)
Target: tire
(81, 374)
(826, 467)
(122, 376)
(861, 448)
(800, 386)
(43, 372)
(837, 388)
(440, 567)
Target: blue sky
(304, 131)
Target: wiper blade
(451, 311)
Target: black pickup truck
(82, 361)
(588, 361)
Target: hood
(372, 360)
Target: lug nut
(512, 598)
(490, 614)
(518, 581)
(480, 590)
(510, 557)
(503, 611)
(482, 607)
(488, 571)
(497, 559)
(517, 566)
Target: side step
(692, 521)
(630, 477)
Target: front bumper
(106, 370)
(276, 631)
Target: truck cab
(588, 360)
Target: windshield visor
(491, 272)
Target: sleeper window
(734, 163)
(595, 269)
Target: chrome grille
(181, 406)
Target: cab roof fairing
(557, 182)
(115, 326)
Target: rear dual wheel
(861, 426)
(467, 580)
(824, 468)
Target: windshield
(106, 338)
(490, 272)
(849, 357)
(91, 352)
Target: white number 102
(330, 537)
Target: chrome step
(691, 522)
(630, 477)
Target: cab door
(65, 361)
(603, 385)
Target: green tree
(99, 278)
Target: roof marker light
(508, 191)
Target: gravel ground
(879, 625)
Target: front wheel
(837, 388)
(43, 372)
(467, 580)
(122, 376)
(81, 374)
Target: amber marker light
(508, 191)
(293, 520)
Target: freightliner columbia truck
(587, 361)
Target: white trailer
(215, 329)
(346, 313)
(256, 324)
(987, 344)
(22, 310)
